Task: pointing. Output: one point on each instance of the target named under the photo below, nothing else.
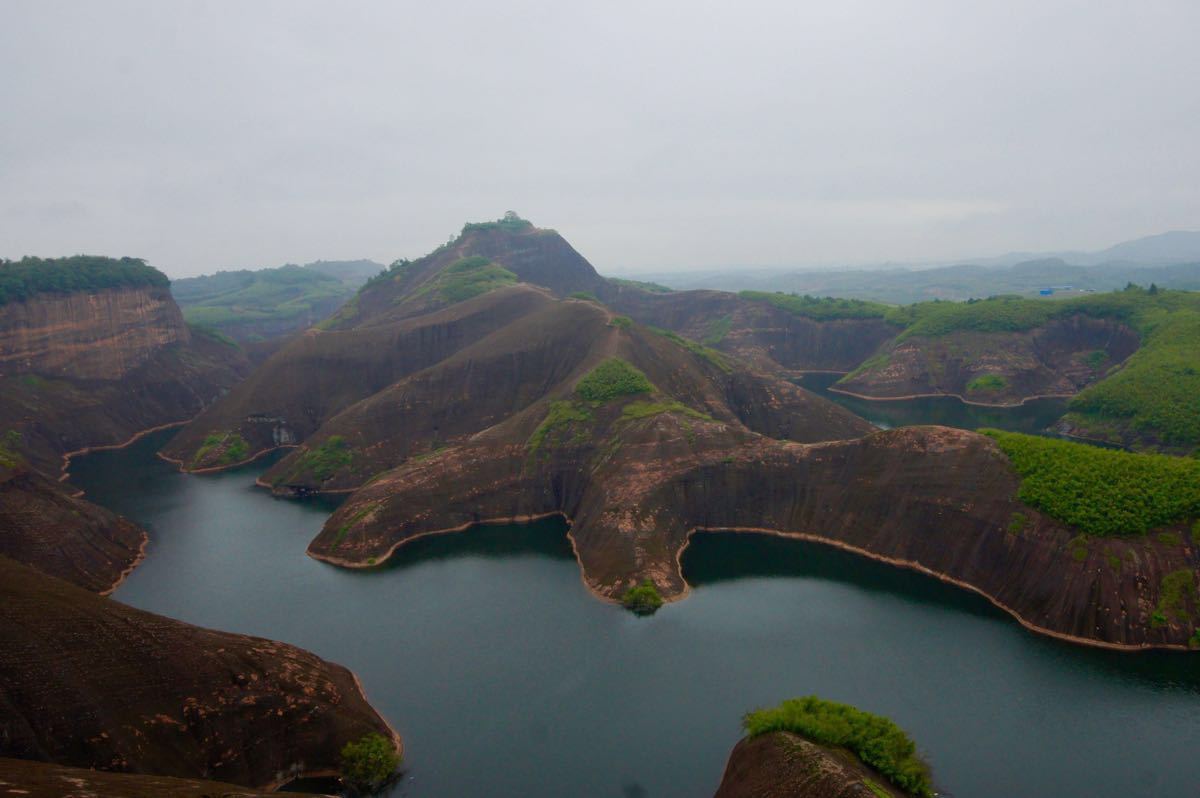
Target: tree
(369, 763)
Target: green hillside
(23, 279)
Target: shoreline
(959, 397)
(141, 556)
(65, 470)
(214, 469)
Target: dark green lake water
(1033, 417)
(506, 678)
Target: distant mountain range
(1170, 260)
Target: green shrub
(23, 279)
(510, 222)
(369, 763)
(877, 741)
(717, 330)
(1176, 591)
(324, 460)
(1102, 491)
(220, 449)
(561, 416)
(643, 599)
(819, 308)
(987, 383)
(1016, 524)
(612, 379)
(10, 449)
(620, 322)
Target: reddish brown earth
(20, 777)
(89, 682)
(1051, 360)
(43, 525)
(934, 499)
(786, 765)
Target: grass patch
(586, 296)
(646, 409)
(1170, 538)
(10, 449)
(1016, 524)
(701, 351)
(643, 599)
(1078, 546)
(876, 789)
(717, 330)
(620, 322)
(560, 418)
(221, 448)
(467, 278)
(874, 362)
(612, 379)
(875, 740)
(819, 308)
(654, 288)
(1175, 593)
(1096, 359)
(325, 460)
(1102, 491)
(987, 383)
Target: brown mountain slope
(785, 765)
(1059, 358)
(90, 682)
(93, 369)
(21, 777)
(43, 525)
(929, 498)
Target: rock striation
(786, 765)
(21, 777)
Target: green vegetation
(395, 271)
(1102, 491)
(876, 789)
(644, 409)
(701, 351)
(586, 296)
(643, 599)
(221, 448)
(820, 308)
(325, 460)
(1175, 593)
(26, 278)
(987, 383)
(369, 763)
(510, 222)
(717, 330)
(466, 278)
(621, 322)
(877, 741)
(10, 449)
(612, 379)
(1016, 524)
(874, 362)
(1169, 538)
(1078, 547)
(561, 416)
(1096, 359)
(654, 288)
(996, 314)
(267, 295)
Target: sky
(654, 136)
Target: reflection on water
(507, 678)
(1033, 417)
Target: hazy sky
(202, 135)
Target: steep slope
(785, 765)
(42, 525)
(41, 780)
(89, 682)
(94, 350)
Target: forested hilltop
(23, 279)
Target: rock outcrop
(43, 525)
(21, 777)
(785, 765)
(89, 682)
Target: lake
(507, 678)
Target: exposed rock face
(931, 498)
(89, 682)
(42, 525)
(88, 336)
(759, 334)
(20, 777)
(785, 765)
(1059, 358)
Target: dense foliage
(466, 278)
(510, 222)
(820, 308)
(324, 460)
(612, 379)
(561, 417)
(987, 383)
(221, 448)
(654, 288)
(643, 599)
(279, 294)
(1102, 491)
(23, 279)
(876, 740)
(369, 763)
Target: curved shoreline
(65, 471)
(804, 536)
(957, 396)
(141, 556)
(214, 469)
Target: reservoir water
(507, 678)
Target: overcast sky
(204, 135)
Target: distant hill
(251, 306)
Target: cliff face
(929, 498)
(1059, 358)
(88, 336)
(41, 780)
(785, 765)
(42, 525)
(137, 692)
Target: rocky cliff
(89, 682)
(785, 765)
(43, 525)
(1058, 358)
(21, 777)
